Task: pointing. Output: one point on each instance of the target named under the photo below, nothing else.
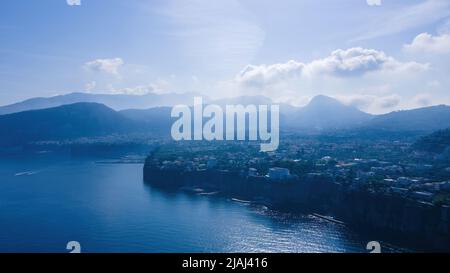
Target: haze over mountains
(324, 113)
(114, 101)
(87, 119)
(63, 122)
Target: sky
(378, 55)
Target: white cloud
(362, 102)
(110, 66)
(426, 42)
(422, 100)
(400, 19)
(341, 63)
(388, 102)
(90, 86)
(73, 2)
(158, 87)
(266, 74)
(135, 90)
(373, 2)
(372, 103)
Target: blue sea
(44, 204)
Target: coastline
(420, 224)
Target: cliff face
(416, 223)
(420, 224)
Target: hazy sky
(379, 55)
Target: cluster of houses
(409, 179)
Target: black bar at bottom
(219, 262)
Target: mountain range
(63, 122)
(114, 101)
(86, 119)
(326, 113)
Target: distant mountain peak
(322, 100)
(321, 97)
(325, 113)
(84, 119)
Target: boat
(240, 201)
(328, 218)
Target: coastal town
(383, 167)
(389, 187)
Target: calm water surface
(107, 208)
